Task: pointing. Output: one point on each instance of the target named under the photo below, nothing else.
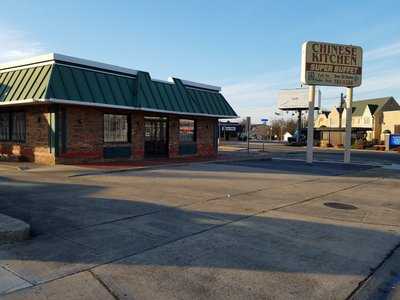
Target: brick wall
(205, 137)
(137, 120)
(204, 141)
(84, 134)
(173, 147)
(36, 145)
(85, 141)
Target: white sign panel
(229, 128)
(331, 64)
(294, 99)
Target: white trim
(22, 102)
(81, 103)
(28, 61)
(103, 71)
(92, 63)
(197, 84)
(200, 89)
(26, 66)
(51, 57)
(162, 81)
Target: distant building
(229, 130)
(391, 122)
(286, 136)
(367, 119)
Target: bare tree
(281, 126)
(262, 131)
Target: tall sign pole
(349, 112)
(248, 124)
(330, 64)
(310, 125)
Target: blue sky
(250, 48)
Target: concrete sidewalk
(84, 169)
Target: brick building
(59, 109)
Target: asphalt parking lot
(279, 150)
(231, 230)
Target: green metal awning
(29, 83)
(71, 83)
(63, 83)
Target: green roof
(24, 84)
(374, 105)
(87, 85)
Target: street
(279, 150)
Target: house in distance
(370, 118)
(60, 109)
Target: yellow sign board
(331, 64)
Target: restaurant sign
(331, 64)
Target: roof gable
(372, 108)
(375, 104)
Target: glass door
(156, 137)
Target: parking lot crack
(17, 275)
(104, 285)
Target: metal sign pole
(248, 134)
(349, 112)
(310, 126)
(298, 126)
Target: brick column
(173, 146)
(137, 138)
(205, 136)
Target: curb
(383, 281)
(8, 167)
(12, 229)
(372, 165)
(154, 167)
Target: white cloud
(257, 97)
(16, 45)
(383, 52)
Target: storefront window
(12, 126)
(4, 126)
(187, 130)
(116, 128)
(18, 126)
